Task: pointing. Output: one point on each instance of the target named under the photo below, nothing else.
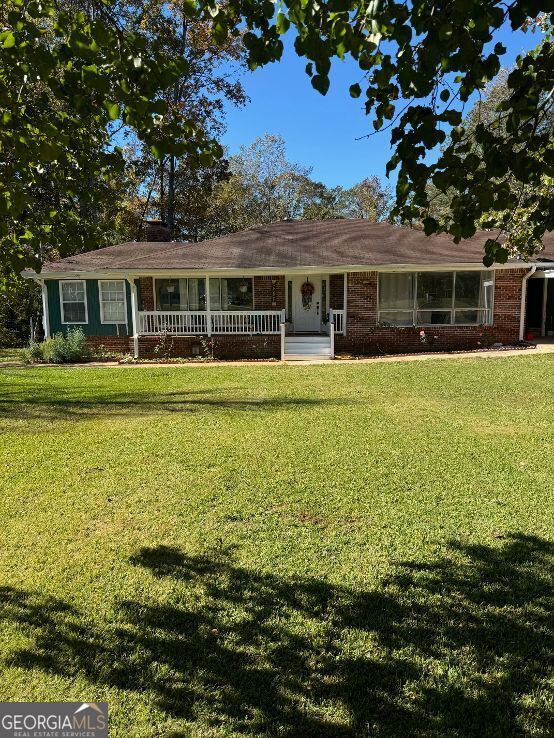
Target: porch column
(45, 314)
(544, 305)
(208, 308)
(344, 303)
(134, 311)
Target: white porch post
(134, 311)
(208, 307)
(344, 301)
(45, 314)
(544, 306)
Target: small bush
(61, 349)
(164, 348)
(33, 353)
(105, 354)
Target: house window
(181, 294)
(73, 301)
(436, 298)
(396, 298)
(113, 303)
(231, 294)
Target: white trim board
(282, 271)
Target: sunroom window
(73, 301)
(181, 294)
(435, 298)
(231, 294)
(396, 298)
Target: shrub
(106, 354)
(33, 353)
(164, 348)
(61, 349)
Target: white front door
(307, 305)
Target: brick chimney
(156, 230)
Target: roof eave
(309, 269)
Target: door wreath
(307, 293)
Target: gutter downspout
(524, 299)
(45, 315)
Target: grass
(11, 355)
(352, 550)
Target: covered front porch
(257, 305)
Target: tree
(209, 81)
(264, 186)
(517, 221)
(421, 63)
(68, 71)
(368, 199)
(275, 185)
(325, 202)
(20, 303)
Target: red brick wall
(269, 292)
(224, 347)
(336, 291)
(507, 302)
(147, 301)
(361, 298)
(363, 335)
(117, 344)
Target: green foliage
(175, 187)
(421, 62)
(71, 70)
(164, 348)
(257, 185)
(20, 303)
(67, 70)
(61, 349)
(35, 352)
(264, 186)
(517, 218)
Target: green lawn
(12, 355)
(373, 544)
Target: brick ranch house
(298, 288)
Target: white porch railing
(186, 323)
(154, 322)
(339, 320)
(255, 321)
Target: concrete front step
(307, 357)
(307, 348)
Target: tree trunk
(162, 190)
(172, 161)
(171, 195)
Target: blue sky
(321, 132)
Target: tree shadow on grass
(26, 403)
(457, 647)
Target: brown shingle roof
(289, 245)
